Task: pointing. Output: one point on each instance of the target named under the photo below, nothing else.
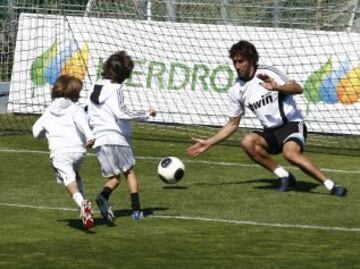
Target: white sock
(281, 172)
(78, 198)
(329, 184)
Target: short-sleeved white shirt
(272, 108)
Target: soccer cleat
(86, 214)
(338, 191)
(137, 215)
(287, 182)
(105, 208)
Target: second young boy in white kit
(110, 120)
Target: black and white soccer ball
(171, 170)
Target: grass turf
(54, 238)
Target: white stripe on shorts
(299, 135)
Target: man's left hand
(268, 82)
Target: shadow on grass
(147, 211)
(175, 187)
(77, 224)
(220, 183)
(270, 184)
(274, 183)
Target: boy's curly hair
(118, 67)
(67, 86)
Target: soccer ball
(171, 170)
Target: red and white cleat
(86, 214)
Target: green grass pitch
(225, 213)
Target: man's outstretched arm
(290, 87)
(202, 145)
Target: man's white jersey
(272, 108)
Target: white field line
(236, 222)
(188, 161)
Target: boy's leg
(77, 167)
(102, 200)
(107, 156)
(66, 175)
(77, 196)
(84, 205)
(134, 194)
(80, 184)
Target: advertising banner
(183, 70)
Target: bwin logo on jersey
(262, 102)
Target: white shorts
(66, 166)
(114, 159)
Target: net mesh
(180, 50)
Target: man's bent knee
(291, 156)
(248, 143)
(291, 151)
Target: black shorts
(278, 136)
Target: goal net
(180, 49)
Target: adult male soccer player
(268, 93)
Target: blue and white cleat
(105, 208)
(137, 215)
(338, 191)
(287, 183)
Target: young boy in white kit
(110, 121)
(64, 124)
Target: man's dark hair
(118, 67)
(246, 50)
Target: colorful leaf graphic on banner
(348, 89)
(312, 84)
(53, 71)
(77, 64)
(40, 64)
(328, 86)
